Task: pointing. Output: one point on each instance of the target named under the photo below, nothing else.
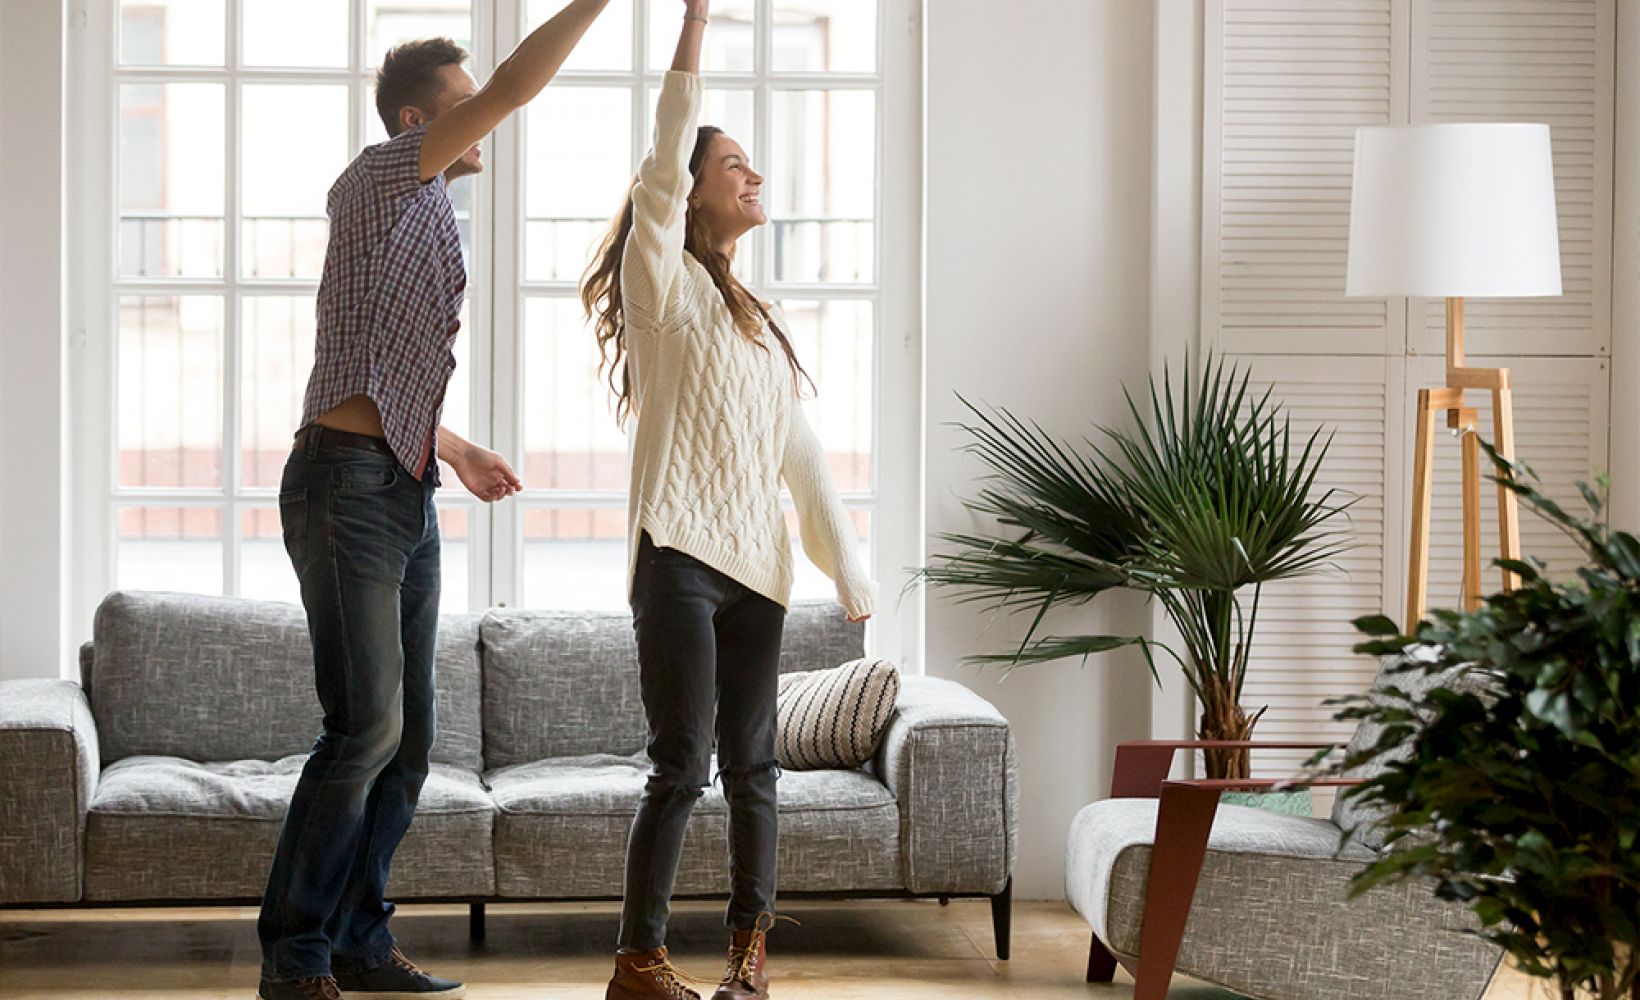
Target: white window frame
(496, 297)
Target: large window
(229, 119)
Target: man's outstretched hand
(486, 475)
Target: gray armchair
(1253, 900)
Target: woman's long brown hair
(601, 290)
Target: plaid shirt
(390, 298)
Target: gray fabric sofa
(163, 775)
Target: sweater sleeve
(828, 534)
(654, 251)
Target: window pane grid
(255, 254)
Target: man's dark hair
(409, 75)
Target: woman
(712, 379)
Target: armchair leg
(1101, 963)
(475, 922)
(1002, 917)
(1183, 821)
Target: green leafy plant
(1199, 507)
(1518, 790)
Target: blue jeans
(362, 535)
(708, 648)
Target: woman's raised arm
(654, 250)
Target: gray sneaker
(398, 978)
(319, 988)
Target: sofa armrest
(948, 757)
(49, 767)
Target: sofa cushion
(1364, 822)
(562, 825)
(1104, 831)
(169, 828)
(565, 683)
(559, 683)
(223, 679)
(819, 635)
(835, 718)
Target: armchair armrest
(1142, 766)
(948, 758)
(49, 767)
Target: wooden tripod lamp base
(1449, 399)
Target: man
(356, 507)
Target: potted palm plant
(1200, 507)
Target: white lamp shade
(1448, 210)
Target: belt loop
(314, 431)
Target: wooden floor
(843, 951)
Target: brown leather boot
(647, 975)
(746, 978)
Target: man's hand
(486, 474)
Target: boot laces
(741, 960)
(399, 959)
(671, 978)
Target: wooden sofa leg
(1101, 963)
(1184, 819)
(475, 922)
(1002, 918)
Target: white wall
(33, 453)
(1038, 242)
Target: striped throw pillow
(835, 718)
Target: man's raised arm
(514, 84)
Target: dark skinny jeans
(705, 643)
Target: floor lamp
(1455, 211)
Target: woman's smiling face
(728, 193)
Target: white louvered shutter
(1302, 654)
(1530, 61)
(1298, 77)
(1286, 84)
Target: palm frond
(1208, 494)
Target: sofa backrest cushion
(219, 679)
(1363, 822)
(565, 683)
(559, 684)
(819, 636)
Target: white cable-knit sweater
(718, 420)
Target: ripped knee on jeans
(734, 773)
(667, 783)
